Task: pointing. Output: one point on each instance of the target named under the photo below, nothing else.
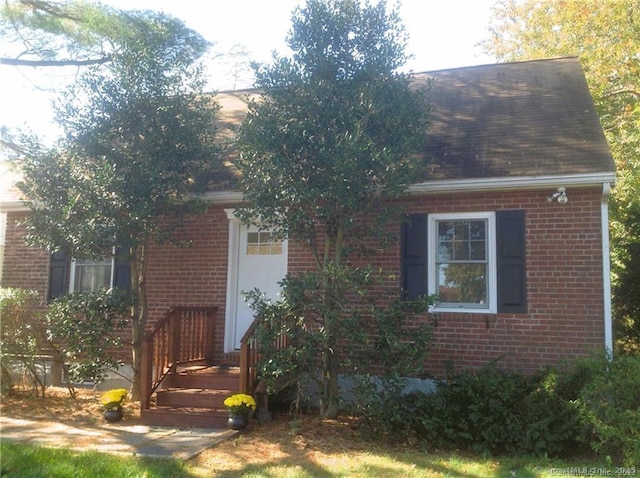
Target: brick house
(515, 190)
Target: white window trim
(432, 241)
(72, 279)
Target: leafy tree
(605, 36)
(138, 149)
(331, 140)
(46, 33)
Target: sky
(442, 34)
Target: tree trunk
(330, 408)
(332, 297)
(138, 262)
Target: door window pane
(263, 243)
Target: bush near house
(21, 339)
(609, 406)
(84, 328)
(80, 329)
(594, 403)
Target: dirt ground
(286, 438)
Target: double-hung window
(82, 275)
(90, 275)
(475, 262)
(462, 267)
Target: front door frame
(233, 274)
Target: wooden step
(192, 397)
(185, 417)
(220, 378)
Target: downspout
(606, 269)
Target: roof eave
(439, 186)
(14, 206)
(515, 183)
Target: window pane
(445, 251)
(445, 238)
(253, 238)
(263, 243)
(264, 249)
(461, 230)
(461, 250)
(90, 276)
(445, 230)
(477, 230)
(462, 283)
(478, 251)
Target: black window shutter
(414, 256)
(122, 272)
(511, 259)
(58, 267)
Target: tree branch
(37, 63)
(14, 147)
(50, 8)
(623, 91)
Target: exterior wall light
(560, 195)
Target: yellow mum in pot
(240, 404)
(114, 399)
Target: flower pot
(113, 415)
(238, 422)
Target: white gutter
(469, 185)
(12, 206)
(522, 182)
(223, 197)
(429, 187)
(606, 270)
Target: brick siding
(564, 286)
(24, 266)
(564, 279)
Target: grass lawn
(303, 447)
(32, 461)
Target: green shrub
(552, 424)
(21, 337)
(593, 402)
(609, 405)
(84, 328)
(493, 412)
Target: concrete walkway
(139, 440)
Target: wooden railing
(184, 335)
(250, 356)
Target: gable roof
(507, 125)
(510, 120)
(525, 124)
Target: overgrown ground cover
(303, 446)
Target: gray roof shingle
(512, 120)
(508, 120)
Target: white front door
(257, 260)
